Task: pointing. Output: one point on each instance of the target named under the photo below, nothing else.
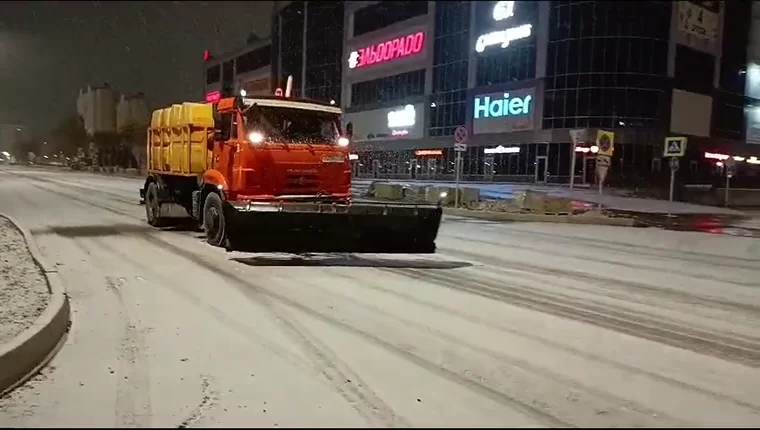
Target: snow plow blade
(297, 228)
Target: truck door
(224, 155)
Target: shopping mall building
(520, 75)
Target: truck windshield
(289, 125)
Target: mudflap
(333, 228)
(142, 196)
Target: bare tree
(69, 135)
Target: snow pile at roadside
(23, 290)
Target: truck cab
(272, 149)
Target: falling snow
(49, 50)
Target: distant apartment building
(132, 113)
(97, 107)
(105, 110)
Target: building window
(323, 50)
(733, 54)
(228, 71)
(728, 115)
(516, 62)
(388, 89)
(254, 60)
(695, 70)
(213, 74)
(291, 44)
(607, 64)
(228, 75)
(729, 102)
(385, 13)
(448, 101)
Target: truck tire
(213, 220)
(153, 206)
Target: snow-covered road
(508, 325)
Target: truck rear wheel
(153, 207)
(213, 220)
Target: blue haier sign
(487, 107)
(504, 111)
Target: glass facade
(383, 91)
(448, 101)
(323, 50)
(606, 67)
(385, 13)
(254, 59)
(518, 61)
(291, 45)
(728, 106)
(607, 64)
(228, 78)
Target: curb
(559, 219)
(33, 348)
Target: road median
(24, 353)
(588, 218)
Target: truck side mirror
(349, 130)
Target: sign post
(460, 145)
(730, 167)
(578, 137)
(674, 149)
(605, 141)
(674, 165)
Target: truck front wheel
(213, 220)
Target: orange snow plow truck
(271, 174)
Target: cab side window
(225, 126)
(234, 124)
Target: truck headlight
(256, 137)
(342, 141)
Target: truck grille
(300, 183)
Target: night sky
(49, 50)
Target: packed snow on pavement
(508, 324)
(23, 290)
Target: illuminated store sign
(502, 150)
(428, 152)
(213, 96)
(485, 107)
(402, 118)
(586, 149)
(382, 52)
(724, 157)
(502, 11)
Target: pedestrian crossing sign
(675, 147)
